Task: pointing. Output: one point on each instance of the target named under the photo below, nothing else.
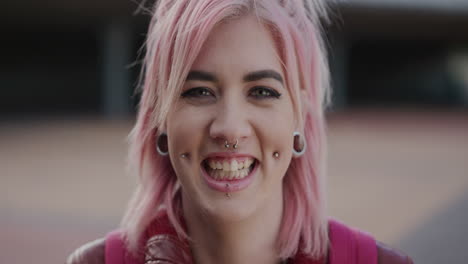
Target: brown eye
(197, 92)
(260, 92)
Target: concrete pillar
(116, 51)
(458, 70)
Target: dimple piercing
(276, 154)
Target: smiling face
(235, 91)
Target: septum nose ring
(235, 145)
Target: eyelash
(197, 93)
(272, 93)
(192, 93)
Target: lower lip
(235, 185)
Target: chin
(217, 206)
(231, 209)
(212, 202)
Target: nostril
(226, 132)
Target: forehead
(238, 46)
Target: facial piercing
(299, 145)
(228, 195)
(184, 155)
(161, 144)
(276, 154)
(235, 145)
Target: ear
(163, 127)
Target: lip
(228, 155)
(229, 186)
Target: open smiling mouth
(229, 174)
(229, 169)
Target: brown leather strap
(90, 253)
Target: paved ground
(403, 176)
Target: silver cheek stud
(276, 154)
(184, 155)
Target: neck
(249, 240)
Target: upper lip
(228, 155)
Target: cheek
(185, 130)
(182, 128)
(278, 128)
(277, 136)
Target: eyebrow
(201, 76)
(250, 77)
(263, 74)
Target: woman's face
(235, 91)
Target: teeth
(226, 166)
(234, 165)
(229, 169)
(230, 165)
(229, 175)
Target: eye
(260, 92)
(197, 92)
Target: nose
(230, 123)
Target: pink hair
(176, 34)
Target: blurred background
(398, 127)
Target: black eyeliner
(191, 92)
(273, 92)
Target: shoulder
(351, 243)
(388, 255)
(90, 253)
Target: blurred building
(82, 56)
(400, 52)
